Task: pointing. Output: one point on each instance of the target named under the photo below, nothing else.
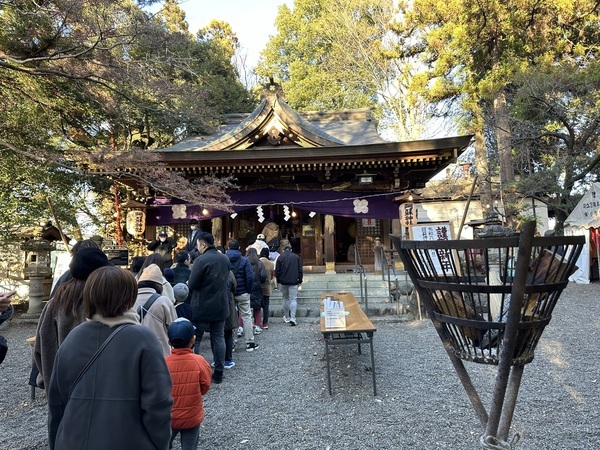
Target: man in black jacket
(288, 272)
(210, 298)
(164, 245)
(192, 245)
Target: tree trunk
(483, 171)
(504, 141)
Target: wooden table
(359, 330)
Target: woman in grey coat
(123, 399)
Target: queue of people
(91, 355)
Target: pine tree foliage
(87, 81)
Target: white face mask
(163, 239)
(193, 227)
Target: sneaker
(293, 321)
(265, 327)
(240, 332)
(229, 364)
(251, 346)
(286, 319)
(257, 330)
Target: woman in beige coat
(158, 316)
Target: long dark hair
(68, 298)
(252, 256)
(154, 258)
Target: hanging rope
(310, 202)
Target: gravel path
(276, 397)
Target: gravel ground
(277, 398)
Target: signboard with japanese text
(409, 215)
(441, 231)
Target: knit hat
(169, 275)
(206, 237)
(193, 221)
(234, 245)
(180, 332)
(86, 260)
(152, 273)
(181, 292)
(163, 233)
(261, 237)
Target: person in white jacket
(158, 316)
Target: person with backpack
(156, 311)
(244, 275)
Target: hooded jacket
(159, 317)
(242, 269)
(122, 401)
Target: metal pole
(511, 328)
(512, 391)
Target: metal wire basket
(490, 300)
(466, 287)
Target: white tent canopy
(586, 215)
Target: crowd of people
(117, 350)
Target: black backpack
(142, 310)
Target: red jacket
(191, 375)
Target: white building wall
(452, 211)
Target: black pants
(265, 309)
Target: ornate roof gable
(273, 123)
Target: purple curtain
(371, 205)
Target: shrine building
(324, 180)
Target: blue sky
(251, 20)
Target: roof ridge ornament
(272, 91)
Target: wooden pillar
(318, 244)
(217, 230)
(328, 236)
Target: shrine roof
(274, 124)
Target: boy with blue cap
(188, 411)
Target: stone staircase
(377, 293)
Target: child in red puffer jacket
(191, 375)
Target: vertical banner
(409, 215)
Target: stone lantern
(37, 270)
